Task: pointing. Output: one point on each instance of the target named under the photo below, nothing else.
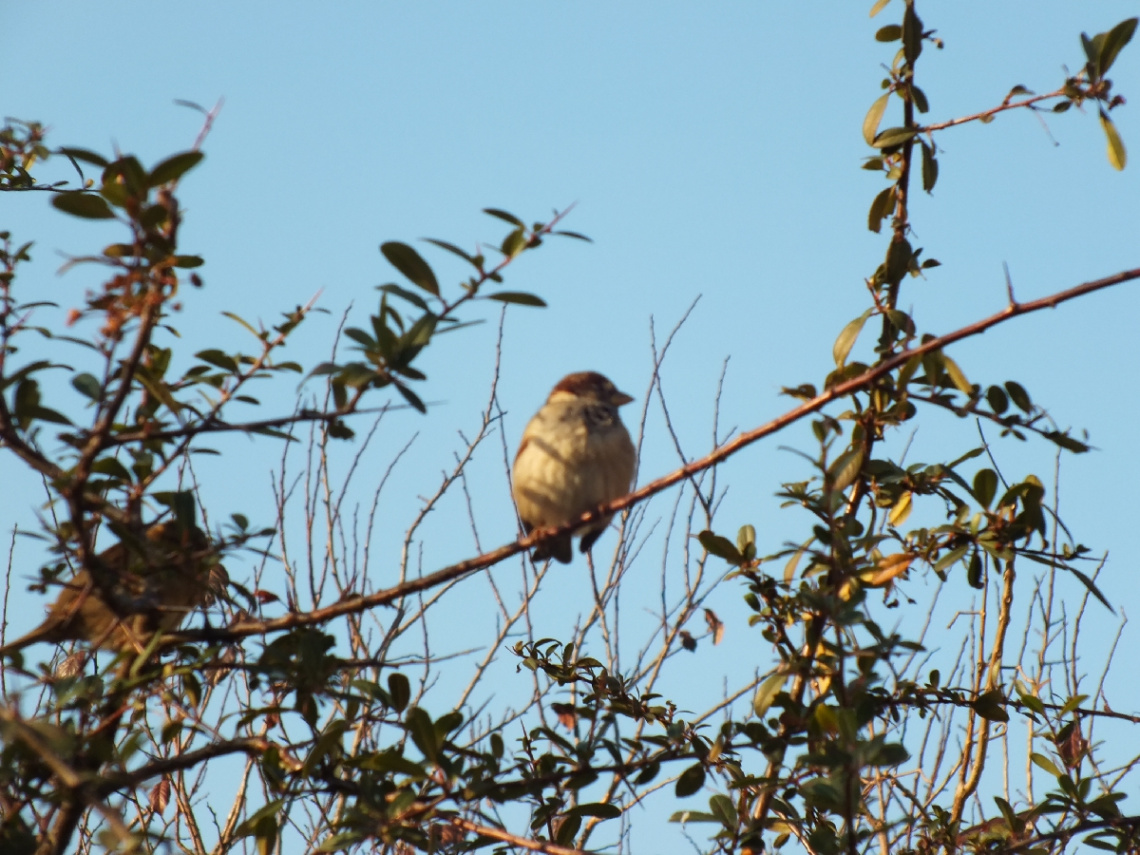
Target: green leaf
(408, 261)
(575, 235)
(400, 691)
(687, 816)
(1116, 153)
(989, 706)
(880, 208)
(888, 754)
(690, 781)
(360, 337)
(929, 168)
(974, 575)
(601, 809)
(1072, 704)
(89, 206)
(894, 137)
(1087, 581)
(1114, 41)
(187, 262)
(1019, 396)
(112, 467)
(514, 243)
(175, 167)
(874, 116)
(911, 35)
(84, 155)
(950, 557)
(985, 486)
(956, 375)
(87, 386)
(452, 248)
(125, 174)
(1067, 442)
(722, 807)
(423, 733)
(721, 547)
(1045, 763)
(567, 830)
(519, 298)
(889, 33)
(919, 98)
(411, 296)
(745, 538)
(218, 358)
(899, 256)
(845, 469)
(767, 693)
(847, 337)
(997, 400)
(504, 215)
(411, 397)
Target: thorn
(1009, 285)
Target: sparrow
(575, 455)
(159, 580)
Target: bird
(575, 455)
(158, 580)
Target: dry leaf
(567, 715)
(716, 626)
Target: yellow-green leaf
(1116, 154)
(767, 693)
(874, 116)
(956, 375)
(845, 468)
(847, 337)
(901, 510)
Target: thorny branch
(354, 604)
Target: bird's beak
(620, 398)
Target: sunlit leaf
(1116, 153)
(873, 117)
(1045, 763)
(847, 337)
(767, 692)
(956, 376)
(893, 137)
(845, 468)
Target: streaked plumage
(575, 454)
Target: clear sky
(711, 150)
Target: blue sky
(710, 150)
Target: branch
(993, 111)
(360, 603)
(524, 842)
